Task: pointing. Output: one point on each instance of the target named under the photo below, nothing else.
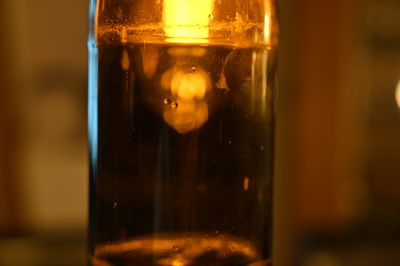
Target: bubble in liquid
(193, 69)
(230, 142)
(167, 101)
(177, 248)
(216, 232)
(115, 204)
(175, 105)
(262, 147)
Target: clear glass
(181, 123)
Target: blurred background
(337, 195)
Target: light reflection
(259, 90)
(264, 87)
(177, 263)
(186, 116)
(189, 88)
(93, 103)
(184, 51)
(191, 248)
(93, 121)
(397, 94)
(267, 22)
(125, 62)
(253, 87)
(187, 21)
(150, 57)
(246, 182)
(221, 83)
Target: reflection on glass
(189, 110)
(187, 21)
(397, 94)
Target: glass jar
(181, 125)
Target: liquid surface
(181, 140)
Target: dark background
(337, 195)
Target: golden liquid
(181, 154)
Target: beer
(182, 152)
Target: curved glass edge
(92, 116)
(92, 22)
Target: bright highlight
(397, 94)
(187, 21)
(188, 88)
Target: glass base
(180, 250)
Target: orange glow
(150, 61)
(397, 93)
(187, 21)
(125, 62)
(267, 27)
(183, 51)
(267, 22)
(246, 183)
(188, 87)
(186, 116)
(177, 263)
(186, 84)
(190, 249)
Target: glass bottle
(181, 121)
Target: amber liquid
(181, 140)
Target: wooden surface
(8, 123)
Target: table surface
(68, 249)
